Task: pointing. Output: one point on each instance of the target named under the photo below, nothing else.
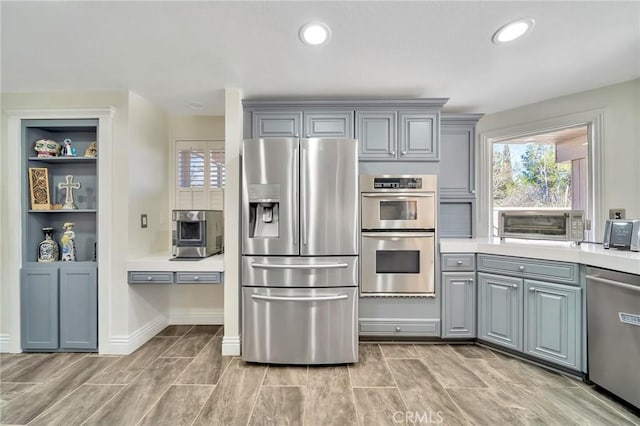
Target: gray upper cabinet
(457, 163)
(276, 124)
(376, 133)
(500, 310)
(39, 307)
(336, 124)
(418, 136)
(78, 308)
(552, 322)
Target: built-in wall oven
(398, 216)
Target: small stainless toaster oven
(556, 225)
(197, 233)
(622, 234)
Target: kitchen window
(555, 164)
(200, 174)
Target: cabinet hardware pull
(521, 268)
(392, 153)
(196, 278)
(470, 280)
(532, 289)
(459, 262)
(307, 136)
(397, 328)
(514, 285)
(149, 278)
(403, 153)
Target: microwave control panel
(397, 183)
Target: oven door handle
(308, 266)
(386, 235)
(300, 299)
(399, 195)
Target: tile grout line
(386, 361)
(305, 394)
(104, 405)
(353, 395)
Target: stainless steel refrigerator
(300, 226)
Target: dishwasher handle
(614, 283)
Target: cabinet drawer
(198, 278)
(150, 277)
(458, 262)
(530, 268)
(399, 328)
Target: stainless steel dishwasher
(613, 332)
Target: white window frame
(594, 119)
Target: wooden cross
(69, 186)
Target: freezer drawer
(300, 271)
(299, 326)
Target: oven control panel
(397, 183)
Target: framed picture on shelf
(39, 188)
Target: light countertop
(160, 262)
(587, 254)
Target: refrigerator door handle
(284, 266)
(294, 174)
(300, 299)
(303, 192)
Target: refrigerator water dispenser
(264, 206)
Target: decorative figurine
(68, 150)
(48, 250)
(47, 148)
(68, 243)
(92, 150)
(69, 186)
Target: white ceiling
(174, 53)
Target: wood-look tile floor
(180, 378)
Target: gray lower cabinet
(39, 308)
(525, 311)
(458, 305)
(552, 322)
(500, 310)
(59, 307)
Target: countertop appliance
(556, 225)
(197, 233)
(398, 235)
(613, 332)
(300, 250)
(622, 234)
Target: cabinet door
(552, 322)
(419, 136)
(500, 310)
(39, 307)
(457, 163)
(458, 304)
(376, 133)
(276, 124)
(330, 125)
(78, 307)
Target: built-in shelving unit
(59, 299)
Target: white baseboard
(231, 345)
(125, 344)
(196, 316)
(5, 344)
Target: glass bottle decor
(48, 250)
(68, 243)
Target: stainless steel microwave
(197, 233)
(622, 234)
(556, 225)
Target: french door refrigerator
(300, 226)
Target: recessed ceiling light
(314, 33)
(513, 30)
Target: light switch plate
(143, 220)
(617, 213)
